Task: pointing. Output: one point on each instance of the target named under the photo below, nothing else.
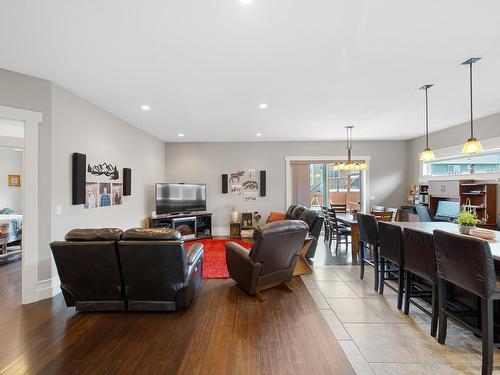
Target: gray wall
(79, 126)
(205, 162)
(27, 92)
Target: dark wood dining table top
(346, 218)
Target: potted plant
(467, 220)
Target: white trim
(31, 121)
(48, 288)
(452, 152)
(288, 174)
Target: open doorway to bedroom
(11, 210)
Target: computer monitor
(448, 209)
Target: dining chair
(420, 262)
(391, 258)
(378, 209)
(368, 237)
(339, 207)
(382, 216)
(423, 213)
(467, 263)
(395, 213)
(326, 222)
(338, 232)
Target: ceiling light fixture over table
(427, 154)
(349, 165)
(145, 107)
(472, 146)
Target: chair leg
(337, 245)
(361, 250)
(443, 319)
(487, 331)
(376, 268)
(435, 309)
(408, 281)
(401, 280)
(382, 275)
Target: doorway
(30, 121)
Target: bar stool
(338, 232)
(392, 250)
(368, 236)
(420, 260)
(467, 262)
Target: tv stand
(192, 225)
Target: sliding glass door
(316, 184)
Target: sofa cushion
(151, 234)
(297, 212)
(276, 216)
(94, 234)
(310, 217)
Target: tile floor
(378, 338)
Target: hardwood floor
(223, 332)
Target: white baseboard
(220, 231)
(48, 288)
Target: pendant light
(472, 146)
(349, 165)
(427, 154)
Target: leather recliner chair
(89, 269)
(313, 220)
(159, 274)
(271, 260)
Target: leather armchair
(271, 260)
(89, 269)
(159, 273)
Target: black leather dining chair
(420, 262)
(326, 222)
(467, 263)
(392, 250)
(368, 237)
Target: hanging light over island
(427, 154)
(472, 146)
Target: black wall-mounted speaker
(79, 172)
(127, 181)
(224, 184)
(262, 183)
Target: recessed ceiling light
(246, 2)
(180, 135)
(145, 107)
(258, 134)
(17, 149)
(263, 106)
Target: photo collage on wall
(104, 187)
(245, 184)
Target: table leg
(354, 243)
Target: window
(483, 163)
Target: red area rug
(214, 261)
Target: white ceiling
(204, 66)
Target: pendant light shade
(427, 154)
(472, 146)
(349, 165)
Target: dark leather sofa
(271, 260)
(313, 220)
(140, 269)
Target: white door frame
(31, 120)
(288, 173)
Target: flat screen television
(448, 209)
(179, 198)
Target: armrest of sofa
(241, 268)
(194, 252)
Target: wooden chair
(378, 209)
(339, 207)
(337, 232)
(395, 213)
(382, 216)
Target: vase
(465, 229)
(235, 216)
